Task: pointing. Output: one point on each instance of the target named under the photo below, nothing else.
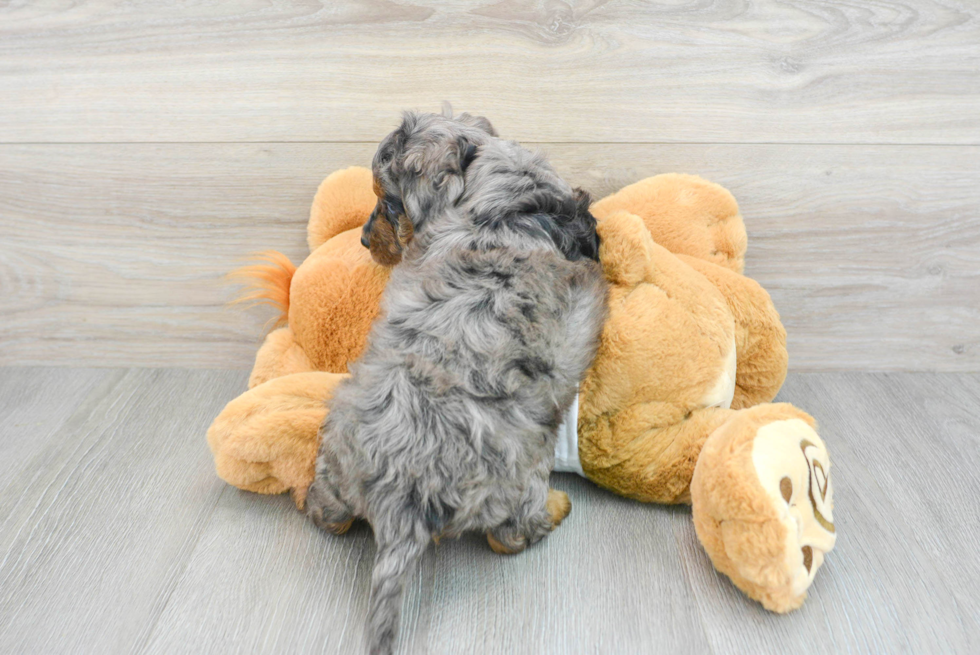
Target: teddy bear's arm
(266, 440)
(760, 339)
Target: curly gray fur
(448, 422)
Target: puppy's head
(419, 170)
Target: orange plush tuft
(267, 284)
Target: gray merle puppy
(448, 422)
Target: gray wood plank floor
(117, 537)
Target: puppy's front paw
(558, 506)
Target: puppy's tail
(267, 283)
(395, 561)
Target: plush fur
(449, 420)
(672, 249)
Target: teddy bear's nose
(364, 240)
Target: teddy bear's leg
(266, 440)
(279, 355)
(762, 503)
(542, 510)
(686, 215)
(651, 464)
(343, 201)
(760, 339)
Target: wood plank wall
(146, 149)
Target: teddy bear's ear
(624, 249)
(343, 202)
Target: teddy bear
(676, 407)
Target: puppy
(448, 421)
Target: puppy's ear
(479, 122)
(384, 242)
(410, 119)
(467, 155)
(583, 225)
(456, 158)
(567, 221)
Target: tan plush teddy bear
(675, 408)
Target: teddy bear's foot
(763, 503)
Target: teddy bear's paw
(793, 467)
(558, 506)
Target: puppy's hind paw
(326, 511)
(337, 528)
(558, 506)
(506, 542)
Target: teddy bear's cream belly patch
(723, 392)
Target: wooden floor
(117, 537)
